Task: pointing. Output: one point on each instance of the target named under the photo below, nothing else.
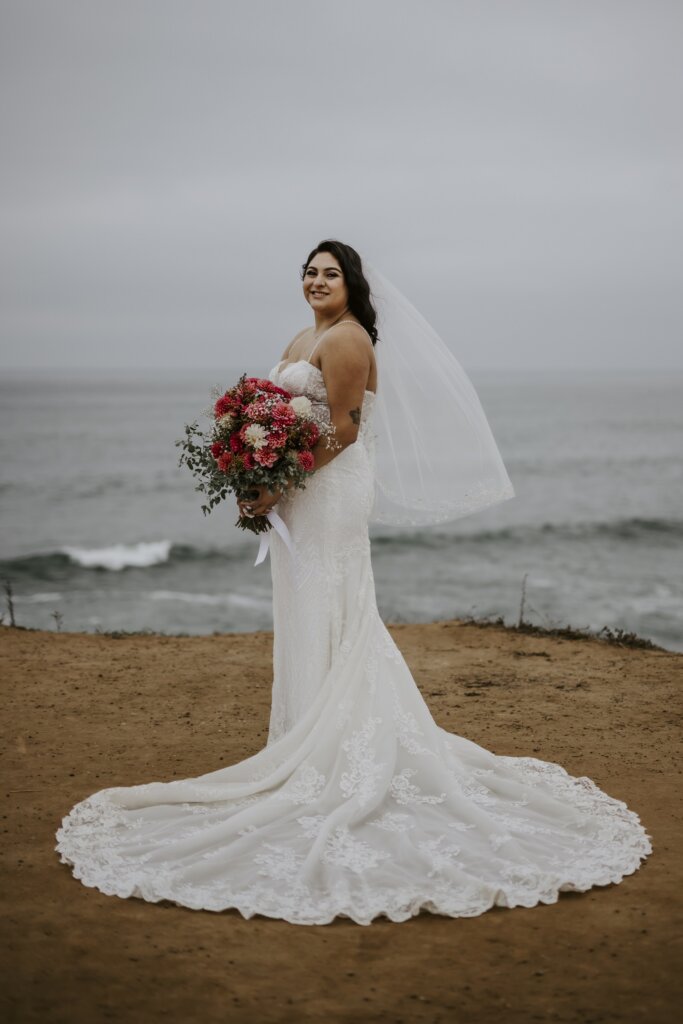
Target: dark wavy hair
(360, 301)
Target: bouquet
(261, 436)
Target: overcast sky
(516, 168)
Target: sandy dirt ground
(83, 712)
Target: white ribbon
(280, 527)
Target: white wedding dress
(360, 805)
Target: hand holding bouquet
(261, 436)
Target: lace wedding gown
(360, 804)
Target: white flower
(301, 406)
(226, 421)
(255, 435)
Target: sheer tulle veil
(436, 457)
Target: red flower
(236, 444)
(283, 414)
(273, 389)
(277, 438)
(248, 460)
(223, 461)
(266, 457)
(217, 448)
(267, 385)
(258, 412)
(225, 404)
(306, 461)
(310, 433)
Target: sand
(87, 711)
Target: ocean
(101, 530)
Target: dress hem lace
(400, 910)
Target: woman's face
(324, 286)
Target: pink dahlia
(277, 438)
(266, 457)
(306, 461)
(283, 414)
(257, 412)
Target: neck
(322, 321)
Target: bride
(360, 805)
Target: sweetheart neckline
(279, 369)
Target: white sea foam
(121, 556)
(37, 598)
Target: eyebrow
(311, 267)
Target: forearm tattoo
(355, 415)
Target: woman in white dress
(359, 805)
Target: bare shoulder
(347, 342)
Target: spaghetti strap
(310, 354)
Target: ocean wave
(121, 556)
(154, 555)
(145, 555)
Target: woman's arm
(345, 362)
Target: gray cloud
(516, 167)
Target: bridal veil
(436, 458)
